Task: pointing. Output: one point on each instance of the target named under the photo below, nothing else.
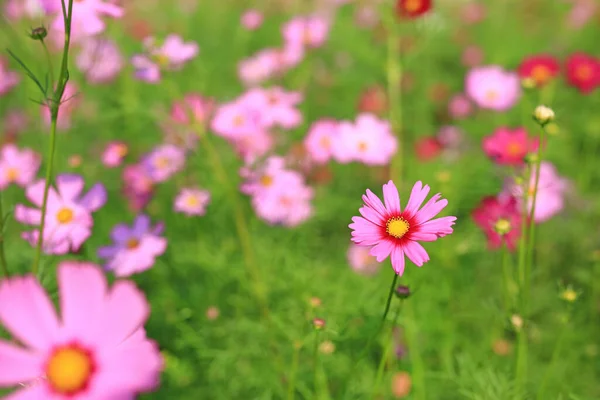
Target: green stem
(50, 66)
(2, 255)
(385, 355)
(555, 354)
(54, 105)
(292, 385)
(507, 279)
(389, 299)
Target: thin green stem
(292, 385)
(386, 352)
(54, 105)
(507, 279)
(389, 299)
(553, 360)
(3, 262)
(418, 365)
(50, 65)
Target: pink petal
(382, 250)
(94, 198)
(430, 209)
(111, 10)
(416, 253)
(27, 312)
(439, 227)
(69, 186)
(17, 365)
(391, 198)
(35, 193)
(373, 201)
(126, 310)
(26, 215)
(398, 261)
(83, 291)
(372, 216)
(423, 236)
(417, 197)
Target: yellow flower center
(122, 150)
(65, 215)
(266, 180)
(583, 72)
(132, 243)
(531, 191)
(238, 121)
(541, 74)
(397, 227)
(162, 60)
(12, 174)
(325, 142)
(514, 148)
(502, 226)
(412, 5)
(191, 201)
(161, 162)
(491, 95)
(69, 370)
(362, 147)
(569, 295)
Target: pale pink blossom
(100, 60)
(252, 19)
(320, 138)
(17, 166)
(493, 88)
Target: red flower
(509, 147)
(583, 72)
(427, 148)
(412, 8)
(500, 220)
(541, 68)
(373, 100)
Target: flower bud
(403, 292)
(319, 323)
(543, 115)
(38, 33)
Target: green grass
(455, 314)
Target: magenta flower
(459, 106)
(87, 17)
(251, 19)
(394, 233)
(320, 138)
(68, 215)
(192, 201)
(493, 88)
(8, 79)
(114, 153)
(502, 212)
(98, 349)
(172, 54)
(138, 186)
(100, 60)
(509, 146)
(135, 249)
(164, 161)
(17, 166)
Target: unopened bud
(38, 33)
(543, 115)
(403, 292)
(319, 323)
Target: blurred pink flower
(472, 56)
(320, 138)
(503, 210)
(98, 349)
(17, 166)
(164, 161)
(509, 146)
(86, 20)
(361, 261)
(258, 68)
(69, 213)
(391, 232)
(171, 54)
(473, 13)
(100, 60)
(192, 110)
(369, 141)
(17, 9)
(460, 106)
(135, 249)
(581, 13)
(252, 19)
(234, 119)
(192, 201)
(493, 88)
(69, 103)
(274, 106)
(8, 79)
(15, 121)
(138, 187)
(306, 32)
(114, 153)
(550, 195)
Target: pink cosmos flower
(69, 103)
(164, 161)
(68, 215)
(252, 19)
(100, 60)
(86, 18)
(394, 233)
(258, 68)
(234, 119)
(550, 195)
(369, 140)
(320, 138)
(509, 146)
(493, 88)
(188, 117)
(17, 166)
(459, 106)
(361, 261)
(114, 154)
(472, 56)
(15, 122)
(16, 9)
(500, 220)
(135, 249)
(172, 54)
(306, 32)
(98, 349)
(8, 79)
(192, 201)
(138, 186)
(274, 107)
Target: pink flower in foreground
(114, 154)
(97, 349)
(493, 88)
(361, 261)
(394, 233)
(500, 219)
(252, 19)
(17, 166)
(135, 249)
(8, 79)
(100, 60)
(192, 201)
(69, 221)
(509, 146)
(87, 15)
(320, 138)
